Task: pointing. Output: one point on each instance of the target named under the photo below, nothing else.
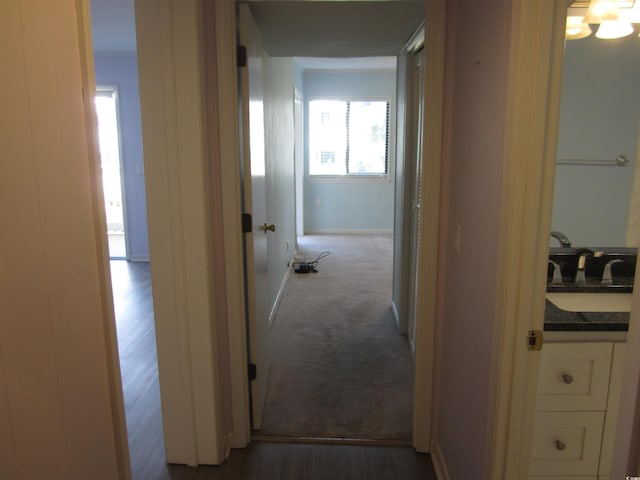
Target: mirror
(597, 202)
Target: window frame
(354, 177)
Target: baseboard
(139, 258)
(348, 231)
(396, 315)
(402, 329)
(283, 286)
(412, 345)
(439, 465)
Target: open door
(254, 203)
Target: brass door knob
(269, 227)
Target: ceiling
(336, 29)
(302, 28)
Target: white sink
(591, 302)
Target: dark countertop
(557, 320)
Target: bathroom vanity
(581, 366)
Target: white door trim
(299, 160)
(230, 194)
(424, 409)
(534, 83)
(85, 48)
(172, 94)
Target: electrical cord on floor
(309, 266)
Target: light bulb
(601, 11)
(614, 29)
(576, 28)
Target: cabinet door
(566, 443)
(574, 376)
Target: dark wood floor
(261, 460)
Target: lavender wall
(475, 109)
(121, 71)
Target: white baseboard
(412, 345)
(283, 285)
(402, 329)
(139, 258)
(439, 465)
(394, 312)
(348, 231)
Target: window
(349, 137)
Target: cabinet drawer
(566, 443)
(574, 376)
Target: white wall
(599, 119)
(56, 414)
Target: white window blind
(349, 137)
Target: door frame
(225, 22)
(535, 81)
(85, 51)
(102, 87)
(298, 125)
(533, 96)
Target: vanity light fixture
(577, 28)
(614, 22)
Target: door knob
(269, 227)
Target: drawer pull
(567, 378)
(560, 445)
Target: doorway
(110, 162)
(332, 194)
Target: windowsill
(349, 178)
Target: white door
(254, 199)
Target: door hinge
(252, 370)
(247, 223)
(535, 339)
(241, 56)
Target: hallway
(339, 367)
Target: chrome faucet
(606, 274)
(580, 279)
(582, 262)
(562, 238)
(556, 277)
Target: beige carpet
(339, 368)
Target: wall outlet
(457, 238)
(317, 202)
(140, 169)
(287, 248)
